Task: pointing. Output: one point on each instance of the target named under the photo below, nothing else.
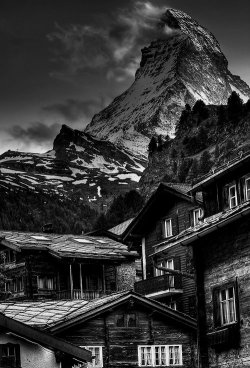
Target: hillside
(206, 137)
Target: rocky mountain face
(185, 65)
(79, 165)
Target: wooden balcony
(156, 287)
(77, 294)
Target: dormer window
(167, 228)
(247, 189)
(233, 201)
(197, 213)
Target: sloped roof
(11, 325)
(67, 245)
(57, 315)
(120, 228)
(221, 170)
(209, 225)
(45, 313)
(178, 190)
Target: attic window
(79, 240)
(233, 201)
(39, 237)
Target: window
(247, 189)
(233, 201)
(45, 282)
(169, 263)
(10, 355)
(126, 320)
(159, 355)
(172, 305)
(97, 360)
(8, 256)
(167, 228)
(225, 305)
(18, 284)
(197, 213)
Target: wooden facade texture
(38, 272)
(178, 208)
(221, 250)
(120, 344)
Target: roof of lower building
(78, 246)
(120, 228)
(209, 225)
(61, 314)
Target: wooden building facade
(221, 251)
(64, 266)
(121, 330)
(167, 213)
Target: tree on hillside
(235, 105)
(205, 163)
(200, 109)
(152, 147)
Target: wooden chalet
(168, 212)
(27, 347)
(123, 329)
(221, 251)
(38, 265)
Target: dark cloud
(73, 110)
(36, 132)
(115, 46)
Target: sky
(62, 61)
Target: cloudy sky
(64, 60)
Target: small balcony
(159, 286)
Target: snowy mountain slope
(78, 163)
(186, 66)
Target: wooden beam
(44, 338)
(176, 272)
(80, 270)
(144, 265)
(71, 281)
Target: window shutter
(177, 263)
(18, 356)
(191, 218)
(162, 229)
(237, 304)
(216, 308)
(225, 196)
(242, 189)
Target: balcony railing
(159, 285)
(77, 294)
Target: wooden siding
(120, 344)
(225, 256)
(180, 212)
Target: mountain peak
(185, 65)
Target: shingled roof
(77, 246)
(120, 228)
(57, 315)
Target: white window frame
(152, 350)
(226, 302)
(165, 221)
(196, 219)
(247, 190)
(172, 305)
(91, 348)
(230, 198)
